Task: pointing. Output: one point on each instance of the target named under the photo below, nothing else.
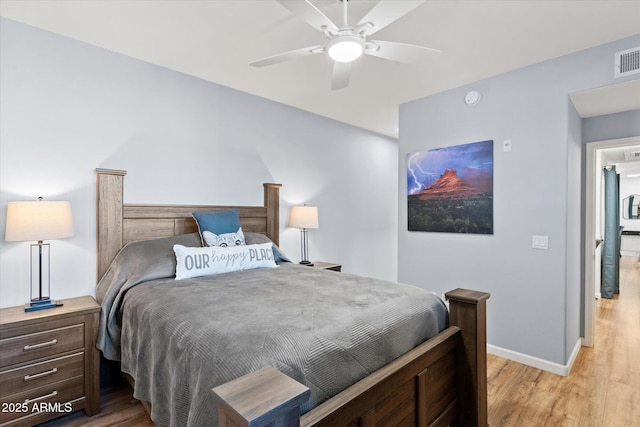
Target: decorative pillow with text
(196, 262)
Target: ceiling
(215, 40)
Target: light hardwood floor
(603, 389)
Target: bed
(371, 352)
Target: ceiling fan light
(345, 49)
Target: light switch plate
(506, 145)
(540, 242)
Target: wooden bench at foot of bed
(439, 383)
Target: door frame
(589, 229)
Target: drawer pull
(37, 346)
(46, 396)
(41, 374)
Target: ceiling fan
(346, 43)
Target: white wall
(630, 243)
(629, 186)
(67, 108)
(536, 295)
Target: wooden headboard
(119, 223)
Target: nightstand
(49, 363)
(326, 265)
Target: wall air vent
(627, 62)
(632, 153)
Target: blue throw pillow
(222, 222)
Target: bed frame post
(272, 203)
(467, 310)
(109, 196)
(263, 398)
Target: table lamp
(304, 218)
(39, 220)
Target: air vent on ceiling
(627, 62)
(632, 153)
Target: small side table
(49, 363)
(326, 265)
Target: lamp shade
(303, 217)
(38, 220)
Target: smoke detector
(472, 98)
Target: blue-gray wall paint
(611, 126)
(68, 107)
(536, 294)
(574, 231)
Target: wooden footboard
(441, 382)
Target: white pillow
(225, 240)
(196, 262)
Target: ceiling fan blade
(309, 13)
(341, 74)
(287, 56)
(386, 12)
(401, 52)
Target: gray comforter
(179, 339)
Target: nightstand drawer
(23, 404)
(39, 374)
(24, 348)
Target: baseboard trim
(630, 253)
(536, 362)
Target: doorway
(594, 163)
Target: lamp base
(307, 263)
(42, 304)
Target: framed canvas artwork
(450, 189)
